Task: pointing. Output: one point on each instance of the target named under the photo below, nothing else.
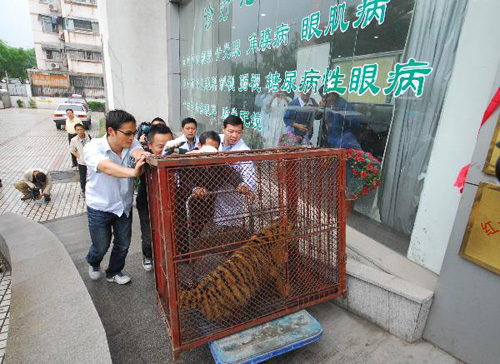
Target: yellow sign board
(481, 243)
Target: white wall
(82, 37)
(478, 56)
(39, 8)
(135, 56)
(84, 66)
(79, 10)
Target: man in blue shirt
(110, 191)
(157, 137)
(341, 121)
(300, 115)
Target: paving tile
(37, 144)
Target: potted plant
(363, 175)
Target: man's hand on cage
(139, 164)
(245, 190)
(138, 153)
(200, 192)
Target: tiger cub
(234, 283)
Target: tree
(15, 61)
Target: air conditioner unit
(55, 66)
(53, 8)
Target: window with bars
(48, 24)
(52, 54)
(86, 81)
(80, 24)
(85, 55)
(90, 2)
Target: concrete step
(52, 316)
(386, 288)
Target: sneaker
(119, 278)
(94, 273)
(147, 264)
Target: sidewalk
(137, 334)
(29, 139)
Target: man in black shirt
(157, 137)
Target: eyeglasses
(127, 133)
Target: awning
(83, 47)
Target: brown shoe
(24, 198)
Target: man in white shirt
(76, 148)
(229, 204)
(109, 193)
(71, 121)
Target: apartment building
(68, 48)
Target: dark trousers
(143, 211)
(100, 225)
(73, 158)
(83, 176)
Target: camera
(35, 193)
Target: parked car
(80, 111)
(77, 99)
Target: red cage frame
(161, 182)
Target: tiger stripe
(227, 289)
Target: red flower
(364, 191)
(369, 166)
(359, 152)
(374, 183)
(375, 171)
(359, 159)
(355, 172)
(363, 174)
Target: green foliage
(253, 138)
(97, 106)
(20, 103)
(15, 61)
(32, 103)
(102, 127)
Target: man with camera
(144, 128)
(36, 183)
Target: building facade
(404, 84)
(68, 48)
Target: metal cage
(208, 209)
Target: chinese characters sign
(481, 243)
(372, 79)
(49, 80)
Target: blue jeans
(100, 225)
